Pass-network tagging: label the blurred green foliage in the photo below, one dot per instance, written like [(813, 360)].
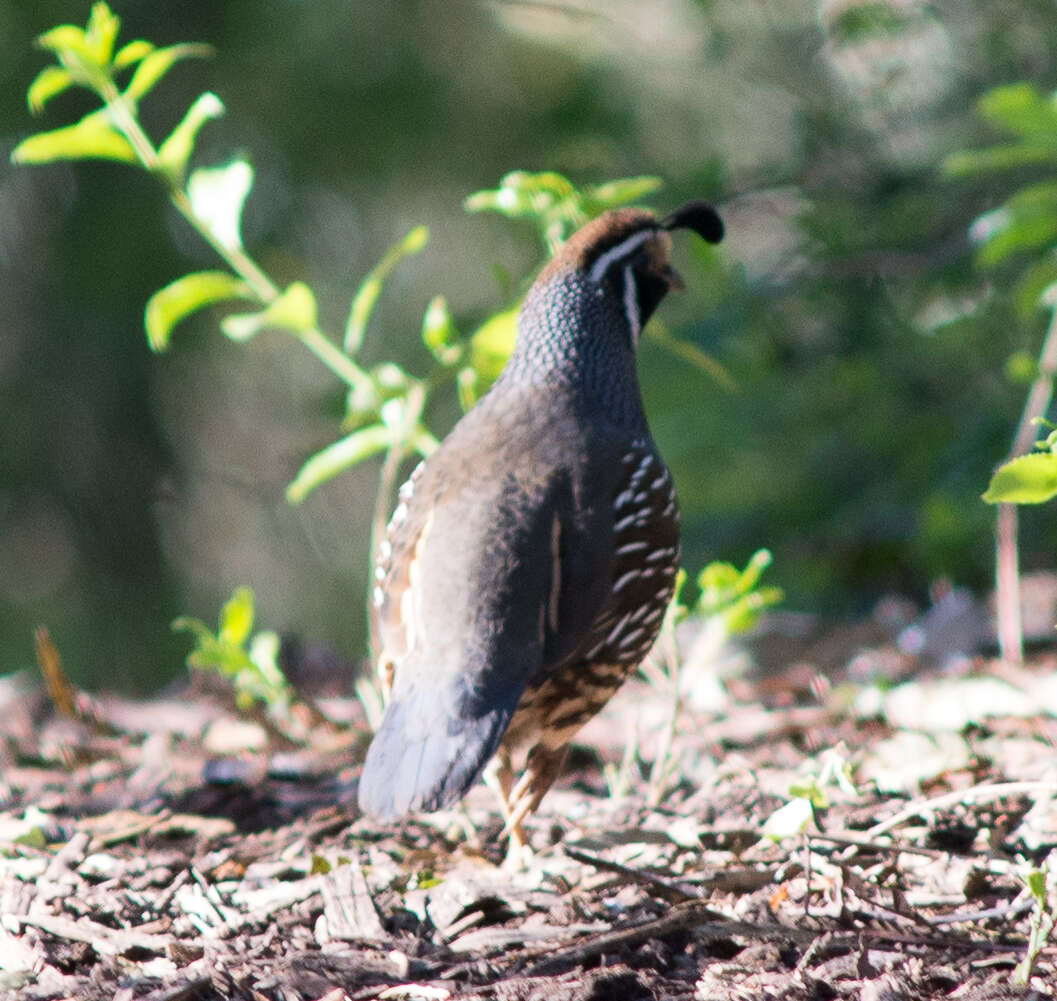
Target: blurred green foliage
[(868, 349), (735, 595)]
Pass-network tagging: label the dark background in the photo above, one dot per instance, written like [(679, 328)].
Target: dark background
[(869, 353)]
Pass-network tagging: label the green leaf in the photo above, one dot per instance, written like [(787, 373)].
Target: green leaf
[(548, 182), (718, 581), (1023, 232), (186, 624), (1021, 368), (553, 201), (228, 660), (131, 53), (750, 576), (103, 26), (735, 595), (1035, 881), (789, 821), (176, 150), (556, 205), (179, 299), (236, 618), (30, 830), (295, 309), (623, 191), (745, 612), (491, 344), (425, 880), (1021, 109), (217, 195), (336, 458), (1034, 197), (969, 163), (521, 193), (157, 63), (506, 201), (264, 652), (391, 378), (50, 81), (367, 294), (1028, 479), (92, 138), (1032, 290), (393, 413), (812, 791), (439, 333), (65, 37), (241, 327), (861, 22)]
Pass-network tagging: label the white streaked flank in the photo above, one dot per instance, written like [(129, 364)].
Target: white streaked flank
[(556, 573)]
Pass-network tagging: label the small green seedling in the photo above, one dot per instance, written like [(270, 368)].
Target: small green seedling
[(730, 601), (1027, 479), (250, 662), (1042, 920), (808, 795)]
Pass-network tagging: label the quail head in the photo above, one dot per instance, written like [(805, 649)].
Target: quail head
[(527, 566)]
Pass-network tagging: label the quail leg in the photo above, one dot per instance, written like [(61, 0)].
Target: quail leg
[(499, 777), (542, 768)]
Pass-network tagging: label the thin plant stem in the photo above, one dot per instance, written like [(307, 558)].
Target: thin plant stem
[(1007, 586), (661, 761), (1007, 569)]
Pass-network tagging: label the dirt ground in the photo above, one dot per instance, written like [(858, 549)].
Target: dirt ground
[(172, 849)]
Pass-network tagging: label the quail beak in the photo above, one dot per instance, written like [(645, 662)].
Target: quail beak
[(674, 279)]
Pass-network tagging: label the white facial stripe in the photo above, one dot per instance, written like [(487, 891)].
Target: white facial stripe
[(605, 262)]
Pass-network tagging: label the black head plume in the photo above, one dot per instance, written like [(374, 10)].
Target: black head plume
[(699, 216)]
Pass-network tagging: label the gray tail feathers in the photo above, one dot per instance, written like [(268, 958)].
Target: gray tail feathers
[(424, 759)]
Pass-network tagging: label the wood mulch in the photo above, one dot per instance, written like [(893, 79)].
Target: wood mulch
[(171, 849)]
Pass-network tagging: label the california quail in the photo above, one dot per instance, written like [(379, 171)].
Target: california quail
[(530, 559)]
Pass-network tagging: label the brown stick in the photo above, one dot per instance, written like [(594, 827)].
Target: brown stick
[(667, 888), (60, 690)]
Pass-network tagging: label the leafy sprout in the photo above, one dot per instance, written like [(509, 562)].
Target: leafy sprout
[(1027, 479), (250, 661), (729, 601), (554, 204), (1039, 886)]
